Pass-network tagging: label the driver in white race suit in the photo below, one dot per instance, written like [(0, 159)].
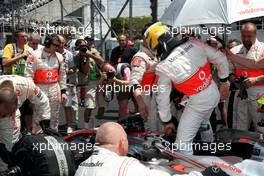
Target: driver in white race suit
[(185, 65)]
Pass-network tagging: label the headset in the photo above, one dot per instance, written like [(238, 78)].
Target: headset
[(49, 38)]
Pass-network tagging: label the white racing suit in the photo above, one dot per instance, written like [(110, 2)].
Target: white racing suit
[(188, 69), (48, 72), (10, 126), (143, 73), (245, 111), (104, 162)]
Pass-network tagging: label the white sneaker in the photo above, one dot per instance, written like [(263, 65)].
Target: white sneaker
[(69, 130)]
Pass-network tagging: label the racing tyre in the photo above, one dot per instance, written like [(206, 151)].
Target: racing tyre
[(43, 155)]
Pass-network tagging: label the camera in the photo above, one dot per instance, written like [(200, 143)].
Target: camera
[(240, 79), (110, 75), (83, 48), (25, 58)]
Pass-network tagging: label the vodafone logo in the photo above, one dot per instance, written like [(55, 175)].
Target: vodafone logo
[(136, 62), (36, 90), (247, 2), (202, 75), (244, 74), (206, 82), (49, 74)]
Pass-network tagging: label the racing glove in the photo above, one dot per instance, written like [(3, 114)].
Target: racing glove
[(235, 82), (243, 93), (44, 124), (243, 89), (238, 83), (170, 126)]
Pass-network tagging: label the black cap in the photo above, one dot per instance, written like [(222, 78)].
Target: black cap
[(89, 39)]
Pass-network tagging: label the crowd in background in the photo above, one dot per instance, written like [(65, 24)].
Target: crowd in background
[(82, 63), (187, 84), (86, 73)]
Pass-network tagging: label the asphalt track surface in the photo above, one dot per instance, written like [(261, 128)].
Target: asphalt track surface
[(111, 114)]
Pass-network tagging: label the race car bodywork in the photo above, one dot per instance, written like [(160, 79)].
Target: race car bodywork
[(155, 151), (158, 152)]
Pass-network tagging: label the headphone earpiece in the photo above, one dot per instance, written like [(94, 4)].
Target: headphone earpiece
[(49, 38), (47, 41)]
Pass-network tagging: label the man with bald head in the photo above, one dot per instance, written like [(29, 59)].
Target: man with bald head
[(110, 157), (117, 143), (248, 61)]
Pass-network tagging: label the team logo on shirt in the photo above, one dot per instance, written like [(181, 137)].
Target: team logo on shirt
[(136, 62), (92, 164), (18, 93), (36, 90), (247, 2), (202, 75), (38, 93), (244, 74), (49, 74), (30, 59)]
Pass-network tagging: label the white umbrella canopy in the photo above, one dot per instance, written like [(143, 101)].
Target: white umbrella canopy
[(194, 12)]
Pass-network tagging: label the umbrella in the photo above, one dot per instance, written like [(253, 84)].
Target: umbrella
[(194, 12)]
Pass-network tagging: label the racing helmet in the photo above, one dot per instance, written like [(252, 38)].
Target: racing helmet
[(153, 34)]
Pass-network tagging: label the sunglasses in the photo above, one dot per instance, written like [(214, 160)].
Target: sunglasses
[(56, 45), (23, 36)]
